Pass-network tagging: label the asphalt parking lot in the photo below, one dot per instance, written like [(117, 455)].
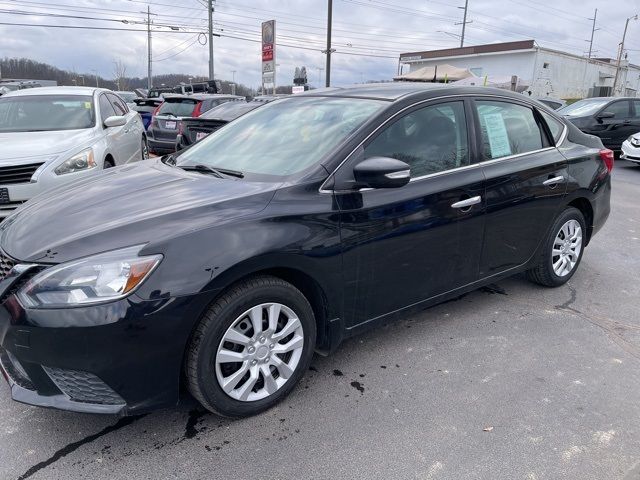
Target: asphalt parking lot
[(514, 381)]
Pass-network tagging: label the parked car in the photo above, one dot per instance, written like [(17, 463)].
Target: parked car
[(145, 107), (611, 119), (299, 224), (54, 135), (164, 122), (128, 97), (159, 92), (192, 130), (631, 149)]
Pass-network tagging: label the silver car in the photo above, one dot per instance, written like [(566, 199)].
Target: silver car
[(54, 135)]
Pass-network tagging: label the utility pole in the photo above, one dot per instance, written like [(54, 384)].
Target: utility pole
[(210, 12), (149, 59), (233, 73), (329, 50), (624, 36), (593, 30), (464, 21)]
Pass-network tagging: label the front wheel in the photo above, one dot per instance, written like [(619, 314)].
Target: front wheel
[(561, 251), (251, 347), (144, 148)]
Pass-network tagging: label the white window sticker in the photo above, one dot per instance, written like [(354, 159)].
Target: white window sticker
[(497, 133)]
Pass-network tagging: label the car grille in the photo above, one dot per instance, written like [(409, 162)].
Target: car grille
[(83, 387), (6, 264), (18, 173)]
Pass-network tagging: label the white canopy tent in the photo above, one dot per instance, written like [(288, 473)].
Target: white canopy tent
[(435, 74)]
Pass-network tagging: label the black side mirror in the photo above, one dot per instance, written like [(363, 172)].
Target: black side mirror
[(605, 114), (382, 172)]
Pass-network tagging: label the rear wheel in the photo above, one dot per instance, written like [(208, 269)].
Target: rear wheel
[(562, 251), (251, 347)]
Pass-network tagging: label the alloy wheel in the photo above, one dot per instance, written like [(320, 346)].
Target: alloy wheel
[(566, 248), (259, 352)]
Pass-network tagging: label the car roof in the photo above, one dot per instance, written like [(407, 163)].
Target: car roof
[(393, 91), (57, 91)]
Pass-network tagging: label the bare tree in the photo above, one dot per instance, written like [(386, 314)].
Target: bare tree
[(120, 74)]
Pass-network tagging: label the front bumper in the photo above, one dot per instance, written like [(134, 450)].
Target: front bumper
[(123, 357), (630, 153)]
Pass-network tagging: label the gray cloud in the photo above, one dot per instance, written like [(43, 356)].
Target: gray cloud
[(377, 27)]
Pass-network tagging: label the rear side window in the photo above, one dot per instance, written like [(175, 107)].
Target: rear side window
[(507, 129), (636, 107), (178, 108), (432, 139), (555, 126)]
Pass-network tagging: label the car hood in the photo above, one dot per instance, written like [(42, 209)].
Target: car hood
[(24, 145), (137, 204)]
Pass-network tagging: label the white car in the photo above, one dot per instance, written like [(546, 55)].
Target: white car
[(53, 135), (631, 148)]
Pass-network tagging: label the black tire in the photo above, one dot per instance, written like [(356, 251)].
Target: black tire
[(543, 273), (201, 352), (108, 163)]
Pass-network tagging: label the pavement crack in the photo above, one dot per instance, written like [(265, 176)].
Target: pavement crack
[(567, 305), (72, 447)]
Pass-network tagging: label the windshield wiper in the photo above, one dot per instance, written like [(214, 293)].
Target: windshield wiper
[(218, 172)]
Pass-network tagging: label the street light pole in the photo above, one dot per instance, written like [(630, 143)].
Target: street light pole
[(210, 12), (329, 49), (149, 72), (624, 36)]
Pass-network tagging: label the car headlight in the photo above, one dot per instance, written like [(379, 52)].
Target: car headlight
[(634, 141), (99, 278), (80, 161)]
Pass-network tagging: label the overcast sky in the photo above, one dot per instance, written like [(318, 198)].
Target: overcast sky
[(380, 28)]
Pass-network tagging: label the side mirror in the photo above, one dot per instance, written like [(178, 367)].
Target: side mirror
[(605, 114), (115, 121), (382, 172)]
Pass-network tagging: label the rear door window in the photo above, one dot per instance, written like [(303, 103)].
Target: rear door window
[(182, 107), (507, 129)]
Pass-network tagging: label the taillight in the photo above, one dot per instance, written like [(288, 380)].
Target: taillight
[(607, 157), (155, 111), (197, 111)]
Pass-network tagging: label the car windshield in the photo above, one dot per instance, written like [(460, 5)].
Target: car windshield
[(38, 113), (179, 107), (282, 138), (583, 107)]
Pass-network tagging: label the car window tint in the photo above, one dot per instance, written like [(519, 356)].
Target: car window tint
[(430, 140), (619, 109), (507, 129), (636, 106), (118, 105), (555, 126), (106, 109)]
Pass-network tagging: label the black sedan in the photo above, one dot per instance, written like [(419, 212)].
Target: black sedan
[(302, 223), (192, 130), (611, 119)]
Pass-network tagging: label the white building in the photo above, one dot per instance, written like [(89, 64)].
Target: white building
[(547, 72)]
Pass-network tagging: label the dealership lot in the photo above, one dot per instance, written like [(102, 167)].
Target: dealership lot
[(513, 381)]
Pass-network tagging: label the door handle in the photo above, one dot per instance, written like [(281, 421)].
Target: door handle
[(467, 203), (553, 181)]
